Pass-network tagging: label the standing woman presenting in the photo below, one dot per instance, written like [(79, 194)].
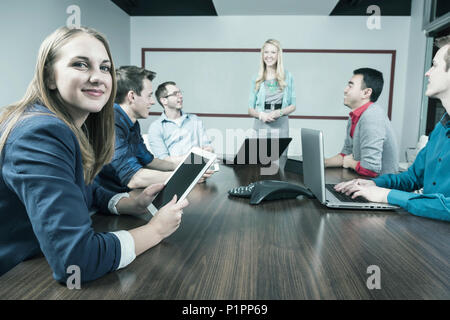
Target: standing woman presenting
[(272, 96)]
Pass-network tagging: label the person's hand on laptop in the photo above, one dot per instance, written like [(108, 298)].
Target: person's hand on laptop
[(372, 193), (347, 186), (364, 188)]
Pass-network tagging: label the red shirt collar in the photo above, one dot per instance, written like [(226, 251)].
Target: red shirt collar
[(359, 111), (356, 114)]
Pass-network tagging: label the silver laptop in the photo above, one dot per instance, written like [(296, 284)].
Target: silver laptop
[(314, 177)]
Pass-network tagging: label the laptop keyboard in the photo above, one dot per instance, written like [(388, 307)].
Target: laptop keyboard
[(342, 196)]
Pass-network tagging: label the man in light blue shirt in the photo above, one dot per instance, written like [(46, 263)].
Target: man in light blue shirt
[(174, 133), (431, 169)]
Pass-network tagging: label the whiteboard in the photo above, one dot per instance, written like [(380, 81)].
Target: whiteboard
[(220, 81)]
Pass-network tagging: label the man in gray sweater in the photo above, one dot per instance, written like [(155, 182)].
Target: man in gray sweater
[(370, 146)]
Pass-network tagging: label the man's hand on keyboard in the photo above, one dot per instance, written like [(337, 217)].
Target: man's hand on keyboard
[(348, 187), (372, 193), (364, 188)]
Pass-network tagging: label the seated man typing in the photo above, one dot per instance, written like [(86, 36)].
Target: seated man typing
[(370, 146), (431, 168)]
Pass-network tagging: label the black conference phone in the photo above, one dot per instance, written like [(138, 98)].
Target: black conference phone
[(269, 190)]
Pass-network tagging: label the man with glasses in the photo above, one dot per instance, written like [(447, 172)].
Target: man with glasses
[(175, 132)]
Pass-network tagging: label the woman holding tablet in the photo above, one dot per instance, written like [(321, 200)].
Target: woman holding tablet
[(53, 142), (272, 95)]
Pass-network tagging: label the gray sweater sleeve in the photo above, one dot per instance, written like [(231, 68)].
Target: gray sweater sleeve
[(348, 144), (372, 137)]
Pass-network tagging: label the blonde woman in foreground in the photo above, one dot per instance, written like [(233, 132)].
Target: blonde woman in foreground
[(53, 143)]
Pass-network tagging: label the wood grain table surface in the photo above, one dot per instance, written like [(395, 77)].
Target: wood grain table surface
[(290, 249)]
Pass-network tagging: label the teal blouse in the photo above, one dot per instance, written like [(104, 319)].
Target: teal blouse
[(258, 99)]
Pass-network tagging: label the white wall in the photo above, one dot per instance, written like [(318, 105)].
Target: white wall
[(415, 77), (295, 32), (25, 23)]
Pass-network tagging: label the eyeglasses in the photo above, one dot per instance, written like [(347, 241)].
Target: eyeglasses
[(175, 93)]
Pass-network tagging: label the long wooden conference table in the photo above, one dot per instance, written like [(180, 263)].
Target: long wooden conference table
[(228, 249)]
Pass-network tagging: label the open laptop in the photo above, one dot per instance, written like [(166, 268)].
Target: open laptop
[(258, 151), (314, 177)]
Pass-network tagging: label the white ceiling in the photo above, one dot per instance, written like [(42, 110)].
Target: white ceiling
[(274, 7)]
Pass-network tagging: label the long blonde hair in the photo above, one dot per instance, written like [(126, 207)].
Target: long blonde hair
[(96, 136), (280, 75)]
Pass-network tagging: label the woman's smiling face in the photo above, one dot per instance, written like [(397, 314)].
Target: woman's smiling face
[(82, 76), (270, 55)]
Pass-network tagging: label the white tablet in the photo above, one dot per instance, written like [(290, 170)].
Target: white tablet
[(184, 178), (215, 166)]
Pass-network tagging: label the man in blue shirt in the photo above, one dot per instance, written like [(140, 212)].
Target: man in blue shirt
[(133, 166), (431, 169), (173, 134)]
